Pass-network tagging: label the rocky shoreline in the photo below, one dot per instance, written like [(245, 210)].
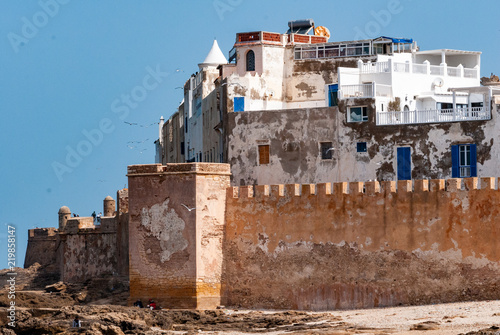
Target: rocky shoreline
[(100, 304)]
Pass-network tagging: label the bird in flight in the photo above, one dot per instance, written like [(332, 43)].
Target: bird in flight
[(189, 209)]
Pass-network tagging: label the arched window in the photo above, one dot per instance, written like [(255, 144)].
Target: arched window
[(250, 61)]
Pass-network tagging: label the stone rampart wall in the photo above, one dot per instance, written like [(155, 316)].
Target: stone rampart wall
[(352, 245)]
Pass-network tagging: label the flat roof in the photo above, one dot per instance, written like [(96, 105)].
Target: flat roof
[(447, 52)]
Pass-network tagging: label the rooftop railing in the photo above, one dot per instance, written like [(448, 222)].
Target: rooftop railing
[(433, 116), (424, 68)]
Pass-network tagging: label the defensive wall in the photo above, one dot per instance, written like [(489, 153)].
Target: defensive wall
[(359, 245), (197, 243), (79, 249)]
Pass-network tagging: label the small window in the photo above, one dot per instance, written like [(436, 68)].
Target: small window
[(333, 95), (357, 114), (250, 61), (326, 150), (263, 154), (239, 104), (361, 147), (464, 161)]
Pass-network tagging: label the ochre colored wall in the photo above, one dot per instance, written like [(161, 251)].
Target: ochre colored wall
[(175, 233), (361, 245)]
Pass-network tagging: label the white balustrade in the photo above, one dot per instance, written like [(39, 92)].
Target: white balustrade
[(433, 116), (453, 71)]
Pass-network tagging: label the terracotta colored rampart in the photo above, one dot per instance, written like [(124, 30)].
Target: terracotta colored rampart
[(352, 245)]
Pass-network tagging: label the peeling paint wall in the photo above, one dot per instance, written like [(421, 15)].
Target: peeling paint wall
[(294, 138), (88, 255), (362, 245), (175, 233)]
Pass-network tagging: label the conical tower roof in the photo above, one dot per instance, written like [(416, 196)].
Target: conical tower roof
[(215, 57)]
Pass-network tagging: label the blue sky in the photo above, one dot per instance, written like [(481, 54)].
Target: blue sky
[(67, 68)]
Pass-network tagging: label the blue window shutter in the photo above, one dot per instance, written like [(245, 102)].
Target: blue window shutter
[(455, 162), (473, 160), (333, 94), (239, 104), (404, 163)]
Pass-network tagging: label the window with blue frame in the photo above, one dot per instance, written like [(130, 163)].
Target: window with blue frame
[(239, 104), (463, 161), (404, 163), (333, 95)]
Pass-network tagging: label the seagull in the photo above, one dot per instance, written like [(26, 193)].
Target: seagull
[(189, 209), (330, 149)]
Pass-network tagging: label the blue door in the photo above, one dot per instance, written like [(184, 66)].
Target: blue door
[(404, 163), (333, 95), (239, 104)]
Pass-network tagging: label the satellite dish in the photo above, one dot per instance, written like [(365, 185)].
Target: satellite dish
[(322, 31), (438, 82)]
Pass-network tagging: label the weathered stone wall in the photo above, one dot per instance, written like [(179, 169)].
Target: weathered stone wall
[(83, 250), (88, 254), (175, 233), (41, 247), (294, 138), (359, 245)]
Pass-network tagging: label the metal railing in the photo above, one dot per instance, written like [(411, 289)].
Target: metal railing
[(433, 116)]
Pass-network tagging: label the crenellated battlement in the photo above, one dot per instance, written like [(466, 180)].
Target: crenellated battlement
[(369, 188)]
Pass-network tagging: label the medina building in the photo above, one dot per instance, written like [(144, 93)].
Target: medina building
[(297, 108)]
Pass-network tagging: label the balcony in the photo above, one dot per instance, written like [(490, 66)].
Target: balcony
[(424, 68), (364, 91), (433, 116)]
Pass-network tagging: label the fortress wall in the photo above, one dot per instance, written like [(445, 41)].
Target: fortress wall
[(360, 245), (122, 233), (41, 247), (88, 254)]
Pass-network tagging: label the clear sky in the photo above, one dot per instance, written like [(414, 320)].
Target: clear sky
[(68, 69)]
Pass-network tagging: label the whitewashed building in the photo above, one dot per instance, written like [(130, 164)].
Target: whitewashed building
[(296, 108)]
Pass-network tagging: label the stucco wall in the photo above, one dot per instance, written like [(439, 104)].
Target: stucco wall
[(361, 245), (294, 138), (175, 233)]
